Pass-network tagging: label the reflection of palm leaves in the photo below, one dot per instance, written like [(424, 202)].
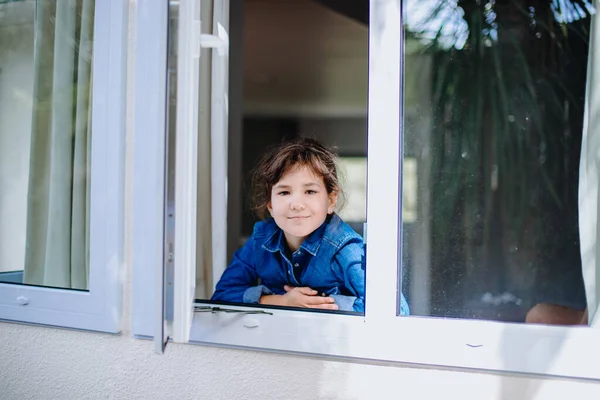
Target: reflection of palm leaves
[(492, 109)]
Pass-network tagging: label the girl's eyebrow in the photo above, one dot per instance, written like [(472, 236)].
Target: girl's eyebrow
[(283, 186)]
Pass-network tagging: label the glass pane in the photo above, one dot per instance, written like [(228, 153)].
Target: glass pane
[(354, 177), (494, 96), (354, 171), (304, 75), (45, 138)]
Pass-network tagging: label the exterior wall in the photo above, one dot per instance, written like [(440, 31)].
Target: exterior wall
[(46, 363)]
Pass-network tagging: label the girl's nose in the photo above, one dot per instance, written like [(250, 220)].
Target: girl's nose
[(296, 204)]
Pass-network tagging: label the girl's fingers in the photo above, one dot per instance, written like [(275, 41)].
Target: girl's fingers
[(317, 300), (307, 291), (325, 306)]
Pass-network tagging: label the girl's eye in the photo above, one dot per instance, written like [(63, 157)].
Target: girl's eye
[(284, 193), (311, 191)]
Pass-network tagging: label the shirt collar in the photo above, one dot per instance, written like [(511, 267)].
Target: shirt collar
[(276, 242)]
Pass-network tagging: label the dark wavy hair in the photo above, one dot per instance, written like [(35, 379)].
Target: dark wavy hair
[(287, 156)]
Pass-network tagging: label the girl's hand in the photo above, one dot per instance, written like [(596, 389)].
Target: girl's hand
[(307, 297), (300, 297)]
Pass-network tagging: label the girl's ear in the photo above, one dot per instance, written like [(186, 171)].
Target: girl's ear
[(270, 208), (333, 196)]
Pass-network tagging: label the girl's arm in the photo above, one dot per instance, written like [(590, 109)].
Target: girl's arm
[(349, 261), (239, 282)]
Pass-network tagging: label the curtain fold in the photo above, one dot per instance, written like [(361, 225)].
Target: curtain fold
[(57, 240), (588, 177)]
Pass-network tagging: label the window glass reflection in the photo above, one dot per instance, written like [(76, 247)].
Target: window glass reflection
[(494, 95), (45, 141)]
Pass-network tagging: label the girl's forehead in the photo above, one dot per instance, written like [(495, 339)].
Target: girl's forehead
[(303, 173)]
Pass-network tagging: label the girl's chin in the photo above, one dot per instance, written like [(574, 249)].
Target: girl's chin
[(300, 234)]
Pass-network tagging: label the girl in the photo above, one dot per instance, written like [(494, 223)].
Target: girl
[(304, 255)]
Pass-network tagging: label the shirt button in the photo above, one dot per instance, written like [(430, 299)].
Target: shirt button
[(299, 252), (296, 265)]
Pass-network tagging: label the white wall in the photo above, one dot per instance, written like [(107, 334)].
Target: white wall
[(46, 363), (303, 59), (16, 88), (349, 135)]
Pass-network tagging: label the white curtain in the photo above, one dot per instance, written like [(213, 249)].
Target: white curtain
[(57, 242), (588, 177)]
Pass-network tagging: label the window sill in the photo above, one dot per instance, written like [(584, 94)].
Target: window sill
[(463, 344)]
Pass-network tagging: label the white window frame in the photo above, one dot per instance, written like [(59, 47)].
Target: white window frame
[(381, 335), (99, 308), (149, 146)]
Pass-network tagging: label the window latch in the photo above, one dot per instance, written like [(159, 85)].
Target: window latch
[(229, 310)]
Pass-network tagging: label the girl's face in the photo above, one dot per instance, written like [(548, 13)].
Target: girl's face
[(299, 204)]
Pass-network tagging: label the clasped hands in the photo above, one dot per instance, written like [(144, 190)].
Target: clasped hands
[(300, 297)]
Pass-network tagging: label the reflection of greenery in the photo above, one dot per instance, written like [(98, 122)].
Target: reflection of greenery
[(503, 114)]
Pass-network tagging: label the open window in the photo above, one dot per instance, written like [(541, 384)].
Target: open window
[(235, 126), (421, 134)]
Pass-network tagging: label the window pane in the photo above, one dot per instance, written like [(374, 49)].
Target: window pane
[(494, 95), (45, 138)]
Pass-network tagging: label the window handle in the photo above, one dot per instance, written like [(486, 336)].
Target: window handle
[(229, 310), (211, 41), (218, 41)]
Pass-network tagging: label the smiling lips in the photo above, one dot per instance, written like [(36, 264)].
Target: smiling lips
[(298, 217)]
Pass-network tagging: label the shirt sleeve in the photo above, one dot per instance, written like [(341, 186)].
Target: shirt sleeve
[(350, 262), (404, 309), (348, 303), (239, 282), (253, 294)]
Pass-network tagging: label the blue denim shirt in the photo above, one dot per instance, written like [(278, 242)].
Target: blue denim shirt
[(330, 260)]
